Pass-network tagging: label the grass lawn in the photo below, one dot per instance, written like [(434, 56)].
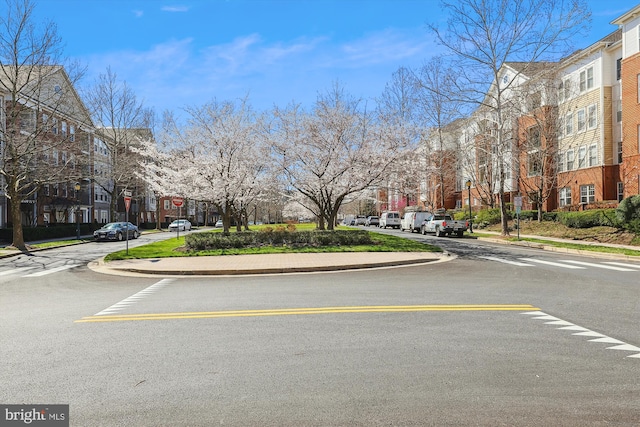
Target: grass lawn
[(174, 247)]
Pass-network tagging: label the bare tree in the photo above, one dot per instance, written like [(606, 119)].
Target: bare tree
[(440, 108), (483, 35), (398, 108), (38, 92), (122, 122)]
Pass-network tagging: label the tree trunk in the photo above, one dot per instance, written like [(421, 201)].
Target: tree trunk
[(16, 219)]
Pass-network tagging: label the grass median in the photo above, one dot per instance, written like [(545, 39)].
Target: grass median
[(175, 247)]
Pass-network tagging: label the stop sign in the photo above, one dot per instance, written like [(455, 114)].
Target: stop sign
[(177, 202)]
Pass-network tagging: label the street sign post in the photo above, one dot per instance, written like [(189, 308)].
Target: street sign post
[(178, 202), (517, 202), (127, 205)]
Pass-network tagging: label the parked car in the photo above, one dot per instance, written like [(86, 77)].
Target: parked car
[(361, 220), (443, 224), (180, 224), (219, 224), (117, 231), (372, 220), (390, 219)]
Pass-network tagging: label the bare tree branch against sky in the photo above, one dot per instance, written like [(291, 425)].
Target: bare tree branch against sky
[(175, 53)]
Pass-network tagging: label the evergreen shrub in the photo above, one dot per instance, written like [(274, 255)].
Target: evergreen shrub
[(588, 219), (628, 214), (276, 237)]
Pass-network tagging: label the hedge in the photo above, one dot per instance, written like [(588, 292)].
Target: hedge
[(277, 237)]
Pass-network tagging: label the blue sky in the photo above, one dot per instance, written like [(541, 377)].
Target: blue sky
[(175, 53)]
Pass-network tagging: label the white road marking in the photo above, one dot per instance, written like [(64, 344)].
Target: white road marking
[(51, 271), (555, 264), (520, 264), (590, 264), (622, 264), (134, 298), (598, 337)]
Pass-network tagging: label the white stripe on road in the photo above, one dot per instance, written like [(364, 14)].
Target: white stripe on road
[(555, 264), (590, 264), (621, 264), (134, 298), (597, 337), (521, 264), (51, 271)]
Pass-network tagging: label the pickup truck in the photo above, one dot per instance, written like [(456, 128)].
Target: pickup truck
[(443, 225)]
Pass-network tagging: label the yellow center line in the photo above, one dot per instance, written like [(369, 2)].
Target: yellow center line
[(298, 311)]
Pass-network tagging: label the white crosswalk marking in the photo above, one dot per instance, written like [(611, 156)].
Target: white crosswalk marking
[(567, 263), (590, 264), (506, 261), (15, 271), (555, 264), (134, 298), (52, 270), (622, 264)]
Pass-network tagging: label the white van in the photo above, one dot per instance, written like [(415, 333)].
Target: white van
[(413, 221), (389, 219)]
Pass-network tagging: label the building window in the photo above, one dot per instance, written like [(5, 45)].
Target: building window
[(535, 165), (166, 205), (593, 155), (570, 160), (561, 91), (567, 89), (54, 127), (560, 161), (582, 157), (618, 104), (589, 78), (533, 138), (619, 151), (27, 121), (592, 116), (72, 133), (587, 193), (583, 81), (568, 124), (582, 121), (620, 191), (565, 196), (618, 68), (64, 128)]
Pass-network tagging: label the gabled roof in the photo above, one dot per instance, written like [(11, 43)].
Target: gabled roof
[(48, 87)]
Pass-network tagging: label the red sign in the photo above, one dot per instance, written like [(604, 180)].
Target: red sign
[(127, 203), (177, 202)]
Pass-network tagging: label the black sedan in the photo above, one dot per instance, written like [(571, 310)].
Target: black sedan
[(117, 231)]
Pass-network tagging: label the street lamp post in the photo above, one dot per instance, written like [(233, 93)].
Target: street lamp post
[(77, 210), (468, 183)]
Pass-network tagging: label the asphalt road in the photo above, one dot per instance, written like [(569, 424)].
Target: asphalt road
[(496, 336)]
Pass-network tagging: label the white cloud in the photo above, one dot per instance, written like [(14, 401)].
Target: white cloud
[(138, 13), (176, 73), (174, 9)]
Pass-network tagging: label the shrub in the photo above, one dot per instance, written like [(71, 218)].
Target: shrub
[(628, 213), (588, 219), (488, 217), (276, 237)]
